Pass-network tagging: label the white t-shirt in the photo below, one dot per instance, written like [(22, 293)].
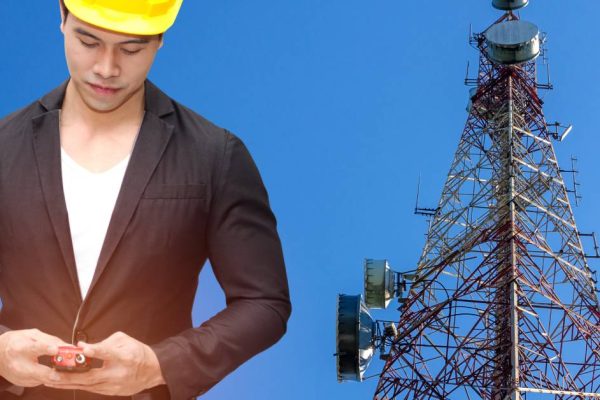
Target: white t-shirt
[(90, 199)]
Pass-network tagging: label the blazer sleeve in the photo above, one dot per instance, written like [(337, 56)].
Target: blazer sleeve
[(245, 252)]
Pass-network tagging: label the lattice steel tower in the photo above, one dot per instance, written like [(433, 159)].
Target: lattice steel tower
[(502, 303)]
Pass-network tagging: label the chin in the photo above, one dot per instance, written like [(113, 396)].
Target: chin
[(102, 107)]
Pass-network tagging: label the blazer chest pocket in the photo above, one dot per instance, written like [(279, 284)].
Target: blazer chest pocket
[(169, 191)]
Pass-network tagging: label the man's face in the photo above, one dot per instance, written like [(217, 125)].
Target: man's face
[(107, 68)]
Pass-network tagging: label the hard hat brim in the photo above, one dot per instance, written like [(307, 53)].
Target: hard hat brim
[(123, 22)]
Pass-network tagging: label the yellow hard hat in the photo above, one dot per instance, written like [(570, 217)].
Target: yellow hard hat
[(137, 17)]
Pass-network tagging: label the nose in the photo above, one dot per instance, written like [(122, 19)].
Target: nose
[(107, 65)]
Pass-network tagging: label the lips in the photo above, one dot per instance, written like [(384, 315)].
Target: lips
[(103, 90)]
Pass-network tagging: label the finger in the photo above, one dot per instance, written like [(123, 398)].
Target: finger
[(89, 378), (40, 373), (40, 336), (100, 389), (43, 343), (85, 381), (38, 348), (97, 350)]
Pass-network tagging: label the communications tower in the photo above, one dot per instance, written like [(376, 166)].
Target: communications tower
[(502, 303)]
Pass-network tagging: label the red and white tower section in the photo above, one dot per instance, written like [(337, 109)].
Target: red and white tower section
[(502, 303)]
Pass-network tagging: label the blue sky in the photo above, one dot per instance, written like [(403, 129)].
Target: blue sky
[(342, 104)]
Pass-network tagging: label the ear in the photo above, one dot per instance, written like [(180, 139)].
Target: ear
[(62, 17)]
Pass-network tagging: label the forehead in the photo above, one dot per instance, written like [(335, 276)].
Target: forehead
[(75, 25)]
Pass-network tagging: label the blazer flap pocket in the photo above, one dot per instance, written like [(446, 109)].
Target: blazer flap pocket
[(169, 191)]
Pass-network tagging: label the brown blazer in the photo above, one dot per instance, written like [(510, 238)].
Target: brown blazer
[(191, 192)]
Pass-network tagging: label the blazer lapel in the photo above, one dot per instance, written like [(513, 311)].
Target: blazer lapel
[(46, 144), (150, 144)]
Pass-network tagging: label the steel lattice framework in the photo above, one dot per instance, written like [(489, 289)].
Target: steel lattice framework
[(504, 306)]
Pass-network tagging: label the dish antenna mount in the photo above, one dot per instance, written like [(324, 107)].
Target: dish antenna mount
[(382, 284), (358, 336)]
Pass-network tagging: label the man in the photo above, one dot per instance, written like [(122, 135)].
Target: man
[(112, 196)]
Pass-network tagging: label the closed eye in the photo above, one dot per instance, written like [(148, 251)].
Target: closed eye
[(88, 45), (130, 52)]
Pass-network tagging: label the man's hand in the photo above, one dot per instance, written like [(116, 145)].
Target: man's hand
[(129, 367), (19, 351)]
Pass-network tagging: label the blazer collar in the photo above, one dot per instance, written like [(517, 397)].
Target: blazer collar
[(156, 102)]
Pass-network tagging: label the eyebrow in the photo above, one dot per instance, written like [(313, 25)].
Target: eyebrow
[(131, 41)]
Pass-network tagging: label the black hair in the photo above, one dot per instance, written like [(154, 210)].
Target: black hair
[(64, 9)]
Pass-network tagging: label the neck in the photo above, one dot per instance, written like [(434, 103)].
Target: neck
[(75, 110)]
